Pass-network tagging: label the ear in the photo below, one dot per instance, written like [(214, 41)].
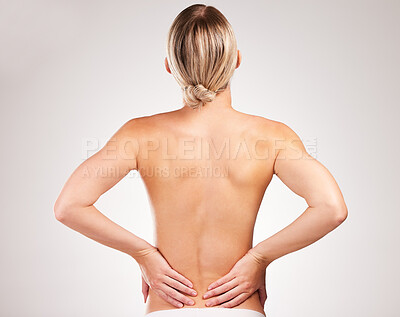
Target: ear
[(239, 59), (167, 66)]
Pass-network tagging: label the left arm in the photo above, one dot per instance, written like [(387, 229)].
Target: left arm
[(75, 208), (75, 205)]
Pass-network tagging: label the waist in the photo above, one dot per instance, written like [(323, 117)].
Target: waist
[(206, 312), (156, 303), (203, 261)]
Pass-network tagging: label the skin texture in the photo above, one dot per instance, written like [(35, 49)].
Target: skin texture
[(205, 173)]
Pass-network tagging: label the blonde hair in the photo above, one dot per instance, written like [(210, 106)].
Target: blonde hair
[(201, 53)]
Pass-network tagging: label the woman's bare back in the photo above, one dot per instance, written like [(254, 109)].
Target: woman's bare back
[(206, 174)]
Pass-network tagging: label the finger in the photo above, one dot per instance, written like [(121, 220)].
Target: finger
[(168, 298), (176, 295), (263, 296), (145, 289), (221, 289), (263, 290), (221, 281), (179, 286), (236, 301), (145, 295), (224, 297), (174, 274)]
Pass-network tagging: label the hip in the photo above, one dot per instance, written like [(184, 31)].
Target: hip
[(157, 304), (206, 312)]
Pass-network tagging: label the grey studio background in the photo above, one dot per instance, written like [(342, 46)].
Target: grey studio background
[(72, 72)]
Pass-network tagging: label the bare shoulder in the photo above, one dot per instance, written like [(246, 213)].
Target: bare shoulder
[(290, 140), (264, 127), (283, 135), (142, 126), (281, 139)]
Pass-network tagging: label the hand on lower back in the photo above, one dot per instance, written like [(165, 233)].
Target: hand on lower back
[(244, 279), (158, 275)]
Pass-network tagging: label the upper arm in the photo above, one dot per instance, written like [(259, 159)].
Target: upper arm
[(303, 174), (103, 170)]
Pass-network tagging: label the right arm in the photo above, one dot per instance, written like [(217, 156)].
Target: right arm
[(309, 179), (326, 210)]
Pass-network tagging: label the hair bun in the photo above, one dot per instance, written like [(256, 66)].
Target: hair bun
[(196, 96)]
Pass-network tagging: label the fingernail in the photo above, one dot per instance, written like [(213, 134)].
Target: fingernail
[(191, 302), (180, 305), (205, 296), (208, 304), (209, 287), (194, 293)]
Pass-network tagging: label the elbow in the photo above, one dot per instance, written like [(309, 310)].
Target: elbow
[(338, 211), (67, 209), (61, 210), (334, 210), (341, 214)]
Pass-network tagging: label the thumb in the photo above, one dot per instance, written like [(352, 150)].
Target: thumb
[(262, 292), (145, 289)]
